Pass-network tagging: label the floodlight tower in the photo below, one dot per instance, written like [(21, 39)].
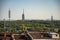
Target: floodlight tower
[(23, 17), (9, 14)]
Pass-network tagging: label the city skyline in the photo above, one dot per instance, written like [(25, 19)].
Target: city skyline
[(33, 9)]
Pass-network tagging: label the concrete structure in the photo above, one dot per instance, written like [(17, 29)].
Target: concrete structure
[(9, 14), (51, 18), (53, 35)]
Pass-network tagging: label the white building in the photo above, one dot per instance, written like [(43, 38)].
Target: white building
[(53, 35)]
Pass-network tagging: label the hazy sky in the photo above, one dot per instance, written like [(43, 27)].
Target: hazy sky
[(33, 9)]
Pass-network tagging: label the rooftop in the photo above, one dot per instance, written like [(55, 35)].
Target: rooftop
[(52, 33), (18, 37), (9, 36), (38, 35)]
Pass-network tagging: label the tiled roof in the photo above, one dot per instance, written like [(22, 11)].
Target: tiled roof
[(38, 35), (18, 37), (35, 35), (9, 36), (2, 34)]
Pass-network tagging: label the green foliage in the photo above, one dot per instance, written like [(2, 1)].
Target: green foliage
[(38, 25), (1, 29), (59, 30), (13, 30)]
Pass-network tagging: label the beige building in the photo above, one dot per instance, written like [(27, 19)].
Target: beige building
[(54, 35)]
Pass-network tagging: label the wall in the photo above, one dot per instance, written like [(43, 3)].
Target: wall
[(45, 39), (55, 36)]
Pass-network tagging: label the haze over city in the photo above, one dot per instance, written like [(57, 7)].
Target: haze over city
[(29, 19), (33, 9)]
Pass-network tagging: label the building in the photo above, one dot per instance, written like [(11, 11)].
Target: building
[(28, 36), (12, 36), (38, 35), (5, 36), (18, 37), (53, 35), (51, 18), (42, 36)]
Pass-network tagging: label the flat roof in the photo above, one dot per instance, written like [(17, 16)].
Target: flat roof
[(52, 33)]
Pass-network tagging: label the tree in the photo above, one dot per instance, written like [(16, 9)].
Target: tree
[(13, 30)]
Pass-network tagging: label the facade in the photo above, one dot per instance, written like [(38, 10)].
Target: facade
[(54, 35)]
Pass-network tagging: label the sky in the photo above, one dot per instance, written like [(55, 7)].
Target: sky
[(33, 9)]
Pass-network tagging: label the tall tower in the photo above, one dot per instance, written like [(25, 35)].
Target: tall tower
[(51, 18), (9, 14), (23, 15)]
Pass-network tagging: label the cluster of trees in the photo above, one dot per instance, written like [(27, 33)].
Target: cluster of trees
[(30, 25)]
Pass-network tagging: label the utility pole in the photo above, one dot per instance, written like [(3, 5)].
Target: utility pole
[(4, 30)]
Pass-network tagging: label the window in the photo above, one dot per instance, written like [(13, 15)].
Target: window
[(56, 35)]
